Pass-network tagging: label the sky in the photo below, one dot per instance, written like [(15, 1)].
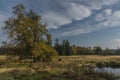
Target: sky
[(82, 22)]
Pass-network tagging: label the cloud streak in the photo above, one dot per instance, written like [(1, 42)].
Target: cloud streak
[(72, 11), (105, 19), (54, 20), (75, 10)]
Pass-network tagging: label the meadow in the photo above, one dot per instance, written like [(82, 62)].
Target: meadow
[(61, 68)]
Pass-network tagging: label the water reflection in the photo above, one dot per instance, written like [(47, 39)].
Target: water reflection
[(115, 71)]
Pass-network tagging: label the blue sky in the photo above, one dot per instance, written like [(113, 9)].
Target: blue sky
[(82, 22)]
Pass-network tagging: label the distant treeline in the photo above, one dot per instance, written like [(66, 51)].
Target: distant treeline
[(66, 49)]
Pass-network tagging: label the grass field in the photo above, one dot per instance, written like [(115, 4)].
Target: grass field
[(61, 68), (61, 62)]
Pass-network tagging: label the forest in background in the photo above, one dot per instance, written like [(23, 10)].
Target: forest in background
[(65, 48)]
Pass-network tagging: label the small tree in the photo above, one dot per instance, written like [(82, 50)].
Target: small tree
[(58, 47), (63, 48), (28, 34)]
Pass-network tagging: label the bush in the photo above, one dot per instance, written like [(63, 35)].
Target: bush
[(43, 52)]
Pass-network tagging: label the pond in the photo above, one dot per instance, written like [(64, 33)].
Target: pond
[(114, 71)]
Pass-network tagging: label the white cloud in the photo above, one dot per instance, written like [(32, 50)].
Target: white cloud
[(109, 2), (55, 20), (77, 11), (72, 12), (98, 4), (112, 20), (77, 32), (108, 12), (117, 40), (93, 4), (74, 32), (99, 17), (103, 15), (107, 19), (2, 18)]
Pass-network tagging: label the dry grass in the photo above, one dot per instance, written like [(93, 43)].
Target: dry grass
[(10, 69), (3, 57), (90, 57), (60, 63)]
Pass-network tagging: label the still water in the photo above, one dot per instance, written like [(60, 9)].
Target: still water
[(115, 71)]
